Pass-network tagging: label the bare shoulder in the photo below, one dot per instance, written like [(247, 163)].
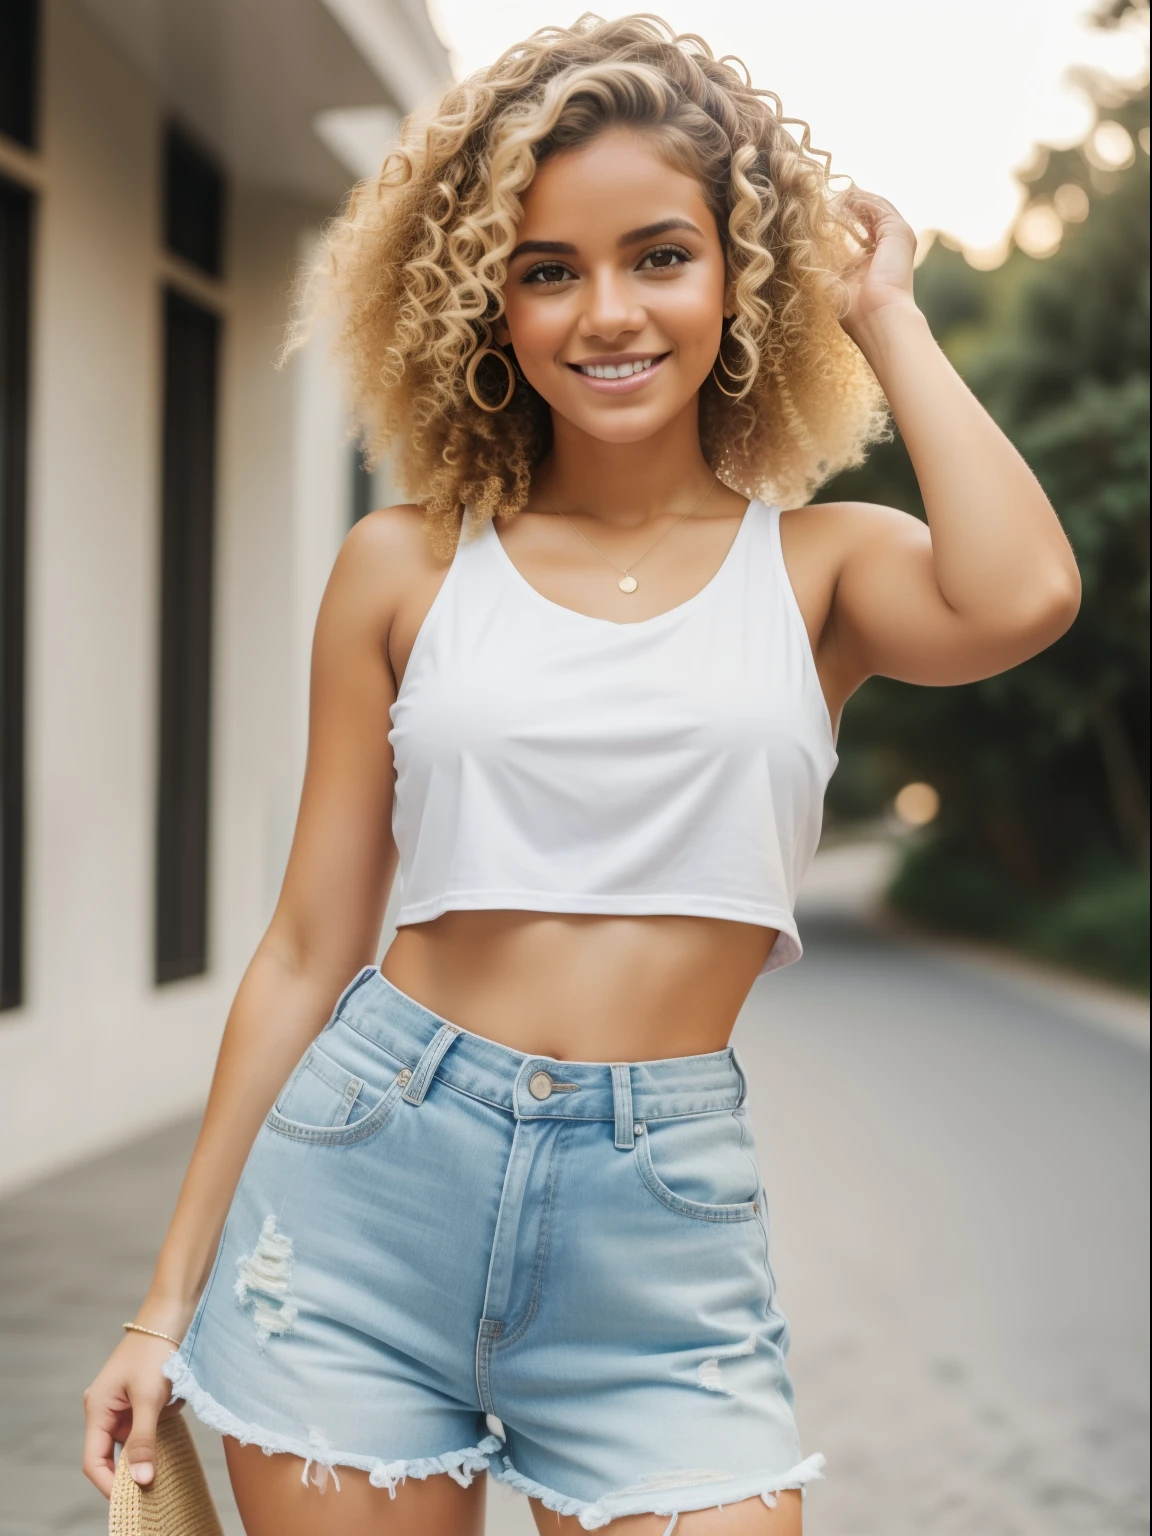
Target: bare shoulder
[(821, 540), (844, 528), (390, 545), (384, 556)]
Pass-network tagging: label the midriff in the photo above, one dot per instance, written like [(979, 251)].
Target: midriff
[(579, 987)]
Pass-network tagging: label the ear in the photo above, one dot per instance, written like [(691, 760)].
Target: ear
[(729, 303), (500, 332)]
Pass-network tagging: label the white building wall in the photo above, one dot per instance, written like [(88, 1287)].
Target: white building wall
[(98, 1053)]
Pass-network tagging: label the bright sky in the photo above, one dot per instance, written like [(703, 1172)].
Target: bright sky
[(930, 103)]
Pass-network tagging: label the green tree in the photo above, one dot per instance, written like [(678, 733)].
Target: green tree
[(1043, 771)]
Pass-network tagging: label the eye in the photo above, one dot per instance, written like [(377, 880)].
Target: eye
[(546, 273), (664, 258)]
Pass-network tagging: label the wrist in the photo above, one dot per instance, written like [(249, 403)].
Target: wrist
[(165, 1313), (876, 331)]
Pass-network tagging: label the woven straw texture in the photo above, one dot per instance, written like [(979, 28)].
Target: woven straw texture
[(177, 1503)]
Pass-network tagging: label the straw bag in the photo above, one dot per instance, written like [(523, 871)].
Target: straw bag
[(177, 1503)]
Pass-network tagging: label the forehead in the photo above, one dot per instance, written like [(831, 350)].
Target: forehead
[(617, 181)]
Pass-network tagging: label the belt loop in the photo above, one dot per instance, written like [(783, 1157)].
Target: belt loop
[(425, 1071), (622, 1104), (741, 1074)]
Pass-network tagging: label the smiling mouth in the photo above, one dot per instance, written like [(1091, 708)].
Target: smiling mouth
[(625, 369)]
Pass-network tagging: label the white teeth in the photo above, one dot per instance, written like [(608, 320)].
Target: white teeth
[(617, 371)]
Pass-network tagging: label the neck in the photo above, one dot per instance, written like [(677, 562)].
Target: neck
[(625, 484)]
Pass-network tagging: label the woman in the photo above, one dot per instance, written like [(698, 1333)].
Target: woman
[(502, 1210)]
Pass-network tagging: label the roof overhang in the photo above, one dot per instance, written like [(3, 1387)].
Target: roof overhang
[(287, 92)]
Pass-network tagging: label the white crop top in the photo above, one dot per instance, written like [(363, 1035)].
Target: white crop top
[(547, 761)]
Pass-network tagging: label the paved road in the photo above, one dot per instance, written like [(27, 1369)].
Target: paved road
[(957, 1170)]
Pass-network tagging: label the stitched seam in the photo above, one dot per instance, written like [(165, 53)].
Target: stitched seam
[(490, 1330), (742, 1123), (696, 1209), (374, 1043), (507, 1109), (542, 1246), (330, 1072), (338, 1135), (762, 1217), (419, 1085), (188, 1344)]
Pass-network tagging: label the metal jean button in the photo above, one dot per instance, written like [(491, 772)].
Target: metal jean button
[(540, 1085)]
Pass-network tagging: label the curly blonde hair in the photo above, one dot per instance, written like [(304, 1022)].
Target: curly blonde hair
[(417, 263)]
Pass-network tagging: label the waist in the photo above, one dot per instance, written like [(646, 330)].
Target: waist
[(571, 986), (534, 1085)]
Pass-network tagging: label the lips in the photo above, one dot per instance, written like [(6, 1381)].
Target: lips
[(622, 370), (619, 376)]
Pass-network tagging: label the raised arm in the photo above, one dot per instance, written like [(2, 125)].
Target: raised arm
[(992, 579), (326, 925)]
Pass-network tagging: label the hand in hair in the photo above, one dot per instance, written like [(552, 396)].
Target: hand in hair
[(882, 273)]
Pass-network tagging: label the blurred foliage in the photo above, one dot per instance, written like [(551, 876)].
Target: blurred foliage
[(1042, 838)]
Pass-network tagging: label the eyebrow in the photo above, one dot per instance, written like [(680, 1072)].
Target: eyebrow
[(632, 237)]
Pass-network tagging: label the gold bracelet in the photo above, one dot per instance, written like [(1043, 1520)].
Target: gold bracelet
[(151, 1332)]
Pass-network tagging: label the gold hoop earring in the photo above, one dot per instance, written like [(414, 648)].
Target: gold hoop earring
[(733, 394), (470, 379)]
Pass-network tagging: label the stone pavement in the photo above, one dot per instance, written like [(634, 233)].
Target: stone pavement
[(957, 1169), (76, 1254)]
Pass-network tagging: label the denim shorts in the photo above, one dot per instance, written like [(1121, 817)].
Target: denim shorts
[(446, 1256)]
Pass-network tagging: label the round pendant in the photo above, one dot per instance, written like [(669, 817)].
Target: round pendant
[(627, 583)]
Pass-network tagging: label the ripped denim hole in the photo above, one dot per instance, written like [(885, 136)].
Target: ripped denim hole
[(264, 1277), (709, 1374)]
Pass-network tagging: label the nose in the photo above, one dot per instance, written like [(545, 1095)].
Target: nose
[(610, 310)]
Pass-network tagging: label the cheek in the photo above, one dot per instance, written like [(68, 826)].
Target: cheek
[(536, 330), (692, 315)]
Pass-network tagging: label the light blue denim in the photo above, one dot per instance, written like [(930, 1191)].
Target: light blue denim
[(445, 1256)]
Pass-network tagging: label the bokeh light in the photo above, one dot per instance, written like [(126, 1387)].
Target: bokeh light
[(1071, 203), (917, 804), (1039, 230), (1109, 147)]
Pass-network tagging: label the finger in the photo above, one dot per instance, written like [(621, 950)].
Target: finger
[(98, 1463), (140, 1447), (871, 200), (869, 210)]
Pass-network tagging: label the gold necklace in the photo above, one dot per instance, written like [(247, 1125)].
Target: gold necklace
[(628, 582)]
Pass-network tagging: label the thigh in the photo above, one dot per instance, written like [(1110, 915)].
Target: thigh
[(752, 1517), (273, 1500)]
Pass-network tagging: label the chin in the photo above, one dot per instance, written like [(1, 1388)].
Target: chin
[(621, 431), (630, 422)]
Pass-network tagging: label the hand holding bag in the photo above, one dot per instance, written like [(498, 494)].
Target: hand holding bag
[(177, 1502)]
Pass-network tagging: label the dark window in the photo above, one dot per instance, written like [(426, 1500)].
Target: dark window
[(361, 486), (19, 38), (15, 253), (193, 203), (191, 348)]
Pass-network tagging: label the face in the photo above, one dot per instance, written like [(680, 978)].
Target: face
[(616, 289)]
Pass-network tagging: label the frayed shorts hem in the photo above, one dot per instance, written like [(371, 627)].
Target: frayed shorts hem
[(661, 1500), (320, 1460)]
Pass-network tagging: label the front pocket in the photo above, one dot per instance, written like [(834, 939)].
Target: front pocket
[(698, 1156), (324, 1102)]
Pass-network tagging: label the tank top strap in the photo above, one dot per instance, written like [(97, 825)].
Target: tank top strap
[(765, 527), (474, 534), (769, 549), (756, 568)]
